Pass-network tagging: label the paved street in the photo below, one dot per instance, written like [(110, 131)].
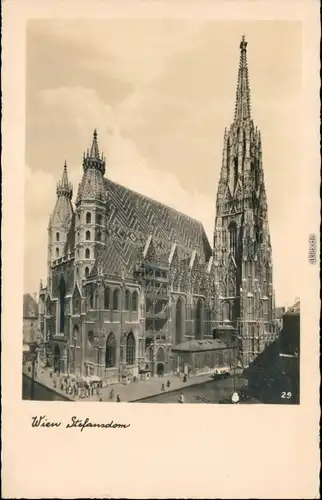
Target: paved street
[(135, 390), (210, 391)]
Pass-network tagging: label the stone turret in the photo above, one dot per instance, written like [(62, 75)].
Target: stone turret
[(60, 226), (90, 223)]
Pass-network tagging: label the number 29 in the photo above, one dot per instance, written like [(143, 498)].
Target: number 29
[(286, 395)]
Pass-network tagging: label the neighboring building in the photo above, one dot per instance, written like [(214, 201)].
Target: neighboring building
[(196, 355), (130, 279), (30, 318), (274, 377)]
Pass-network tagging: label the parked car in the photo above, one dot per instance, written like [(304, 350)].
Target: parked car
[(221, 374)]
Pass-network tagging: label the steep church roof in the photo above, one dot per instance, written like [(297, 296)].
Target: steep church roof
[(132, 218), (30, 306)]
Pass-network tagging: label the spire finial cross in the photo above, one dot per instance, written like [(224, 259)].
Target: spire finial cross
[(243, 43)]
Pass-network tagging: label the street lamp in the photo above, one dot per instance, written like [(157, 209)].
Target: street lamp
[(33, 349)]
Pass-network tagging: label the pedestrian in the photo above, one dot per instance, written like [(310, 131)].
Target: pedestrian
[(92, 391), (101, 397), (168, 384), (181, 400), (118, 399), (162, 388), (111, 394)]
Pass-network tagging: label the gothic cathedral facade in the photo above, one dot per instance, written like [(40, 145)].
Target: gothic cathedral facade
[(129, 278)]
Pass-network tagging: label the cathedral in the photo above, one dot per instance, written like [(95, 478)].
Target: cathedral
[(134, 286)]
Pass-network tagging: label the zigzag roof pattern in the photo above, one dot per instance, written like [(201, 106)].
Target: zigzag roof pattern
[(133, 218)]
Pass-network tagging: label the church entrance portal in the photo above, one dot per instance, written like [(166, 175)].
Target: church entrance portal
[(160, 369)]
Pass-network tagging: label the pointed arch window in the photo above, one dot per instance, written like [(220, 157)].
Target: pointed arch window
[(134, 302), (97, 299), (130, 349), (86, 271), (62, 293), (87, 253), (88, 218), (57, 252), (57, 236), (232, 228), (90, 337), (198, 320), (235, 172), (91, 298), (88, 235), (106, 298), (110, 360), (116, 299), (127, 300)]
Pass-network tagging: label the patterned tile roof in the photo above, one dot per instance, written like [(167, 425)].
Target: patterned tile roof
[(132, 218)]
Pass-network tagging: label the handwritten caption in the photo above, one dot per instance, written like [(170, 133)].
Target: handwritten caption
[(75, 422)]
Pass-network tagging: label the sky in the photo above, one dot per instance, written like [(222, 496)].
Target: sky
[(160, 93)]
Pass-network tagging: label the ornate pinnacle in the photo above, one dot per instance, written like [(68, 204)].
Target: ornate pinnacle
[(64, 188), (93, 159), (242, 107)]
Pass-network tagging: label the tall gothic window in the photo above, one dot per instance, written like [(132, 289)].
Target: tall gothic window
[(87, 253), (97, 300), (99, 236), (232, 228), (88, 218), (57, 252), (130, 349), (88, 235), (134, 302), (127, 300), (179, 321), (110, 359), (116, 299), (235, 172), (98, 219), (198, 321), (91, 299), (57, 236), (86, 271), (106, 298), (62, 293)]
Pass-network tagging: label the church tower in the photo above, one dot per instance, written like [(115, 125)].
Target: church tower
[(90, 224), (242, 246), (60, 227)]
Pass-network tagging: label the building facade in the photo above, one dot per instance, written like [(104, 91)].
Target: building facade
[(130, 278), (30, 319)]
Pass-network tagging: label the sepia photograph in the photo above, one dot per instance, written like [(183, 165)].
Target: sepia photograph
[(159, 249), (161, 213)]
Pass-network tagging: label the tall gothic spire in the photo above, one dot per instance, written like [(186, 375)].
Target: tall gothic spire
[(92, 158), (64, 188), (243, 108), (94, 149)]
